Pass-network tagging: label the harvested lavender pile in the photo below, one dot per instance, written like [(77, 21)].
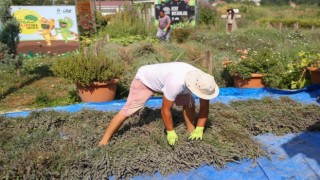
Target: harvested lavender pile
[(59, 145)]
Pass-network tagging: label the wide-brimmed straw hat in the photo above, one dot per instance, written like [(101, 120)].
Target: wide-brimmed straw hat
[(202, 84)]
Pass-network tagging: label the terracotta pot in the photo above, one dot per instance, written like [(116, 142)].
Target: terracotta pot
[(254, 82), (98, 92), (315, 75)]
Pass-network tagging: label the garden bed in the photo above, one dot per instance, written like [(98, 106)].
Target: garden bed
[(64, 145)]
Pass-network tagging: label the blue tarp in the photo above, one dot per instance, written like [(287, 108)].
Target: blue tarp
[(306, 95), (293, 156)]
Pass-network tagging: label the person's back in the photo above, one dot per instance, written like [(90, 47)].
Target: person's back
[(166, 78)]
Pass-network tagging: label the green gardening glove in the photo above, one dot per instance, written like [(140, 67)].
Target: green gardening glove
[(172, 137), (196, 134)]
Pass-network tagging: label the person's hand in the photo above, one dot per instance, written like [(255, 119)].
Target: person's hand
[(196, 134), (164, 30), (172, 137), (102, 143)]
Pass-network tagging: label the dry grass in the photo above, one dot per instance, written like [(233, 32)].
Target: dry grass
[(64, 146)]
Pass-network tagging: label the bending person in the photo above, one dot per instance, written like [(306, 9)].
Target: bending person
[(176, 81)]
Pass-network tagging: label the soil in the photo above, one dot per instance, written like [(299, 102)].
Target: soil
[(24, 98), (57, 47)]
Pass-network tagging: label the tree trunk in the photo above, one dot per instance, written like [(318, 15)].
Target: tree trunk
[(18, 72)]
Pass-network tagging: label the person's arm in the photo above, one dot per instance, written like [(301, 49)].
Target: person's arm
[(114, 125), (204, 112), (168, 22), (166, 115), (202, 119)]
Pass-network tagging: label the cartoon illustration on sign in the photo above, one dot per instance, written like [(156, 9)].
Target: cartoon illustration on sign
[(46, 27), (64, 29)]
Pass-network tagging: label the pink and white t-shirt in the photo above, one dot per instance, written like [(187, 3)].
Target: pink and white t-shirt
[(166, 78)]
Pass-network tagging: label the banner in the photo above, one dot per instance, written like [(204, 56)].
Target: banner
[(181, 12), (47, 29)]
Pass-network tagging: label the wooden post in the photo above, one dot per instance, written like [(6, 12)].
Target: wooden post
[(106, 38), (97, 48), (209, 61), (93, 14), (312, 28), (269, 25), (296, 26), (86, 51)]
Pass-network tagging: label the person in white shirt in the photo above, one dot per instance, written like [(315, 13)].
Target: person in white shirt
[(177, 81)]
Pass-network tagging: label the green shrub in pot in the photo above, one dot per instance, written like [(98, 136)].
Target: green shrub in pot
[(85, 68)]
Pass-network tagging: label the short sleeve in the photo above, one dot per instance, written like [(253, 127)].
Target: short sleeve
[(171, 90), (168, 19)]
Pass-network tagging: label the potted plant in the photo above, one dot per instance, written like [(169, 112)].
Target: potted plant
[(95, 74), (311, 60), (250, 67)]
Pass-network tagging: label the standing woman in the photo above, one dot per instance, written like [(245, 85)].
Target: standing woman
[(231, 21)]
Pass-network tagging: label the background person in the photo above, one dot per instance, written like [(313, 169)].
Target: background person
[(163, 33), (231, 21)]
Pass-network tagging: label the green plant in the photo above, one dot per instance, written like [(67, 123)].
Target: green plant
[(291, 21), (5, 57), (9, 33), (207, 14), (181, 34), (88, 67), (298, 68), (125, 41), (265, 62), (42, 99), (127, 23)]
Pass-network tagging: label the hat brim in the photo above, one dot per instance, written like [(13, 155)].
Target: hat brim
[(191, 79)]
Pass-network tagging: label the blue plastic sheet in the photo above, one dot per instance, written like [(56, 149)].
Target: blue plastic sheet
[(306, 95), (293, 156)]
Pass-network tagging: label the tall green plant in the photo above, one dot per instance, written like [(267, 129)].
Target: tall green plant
[(89, 67), (9, 33), (126, 23), (207, 14)]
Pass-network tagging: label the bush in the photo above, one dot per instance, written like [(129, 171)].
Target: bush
[(207, 14), (266, 62), (86, 68), (181, 34), (291, 21), (297, 68), (126, 23)]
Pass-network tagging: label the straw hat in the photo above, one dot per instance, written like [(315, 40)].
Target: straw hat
[(202, 84)]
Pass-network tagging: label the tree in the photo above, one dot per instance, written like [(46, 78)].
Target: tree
[(59, 2), (23, 2), (9, 33), (47, 2)]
